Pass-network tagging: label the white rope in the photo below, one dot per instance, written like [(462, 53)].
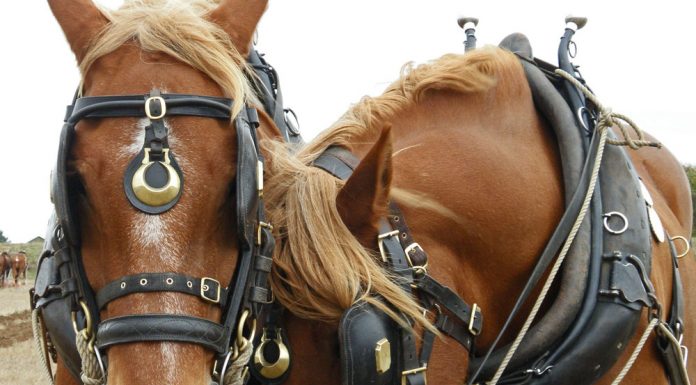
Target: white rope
[(91, 372), (636, 351), (39, 342), (237, 371)]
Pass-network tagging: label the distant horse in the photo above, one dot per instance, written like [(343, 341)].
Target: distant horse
[(460, 147), (19, 265), (5, 267)]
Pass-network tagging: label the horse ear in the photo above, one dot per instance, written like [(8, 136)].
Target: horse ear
[(363, 199), (239, 19), (80, 21)]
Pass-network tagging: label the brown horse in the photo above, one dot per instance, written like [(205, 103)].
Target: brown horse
[(5, 267), (19, 267), (475, 170), (193, 47)]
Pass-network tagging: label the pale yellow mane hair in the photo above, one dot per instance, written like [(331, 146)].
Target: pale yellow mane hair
[(320, 267), (180, 30)]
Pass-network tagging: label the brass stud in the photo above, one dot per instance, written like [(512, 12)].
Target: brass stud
[(382, 356)]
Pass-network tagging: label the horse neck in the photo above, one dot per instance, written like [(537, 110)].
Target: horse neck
[(491, 161)]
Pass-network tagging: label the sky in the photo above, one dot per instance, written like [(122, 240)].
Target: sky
[(636, 57)]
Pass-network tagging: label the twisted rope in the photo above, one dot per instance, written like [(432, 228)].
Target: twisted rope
[(636, 351), (37, 332), (91, 372), (237, 371), (607, 118)]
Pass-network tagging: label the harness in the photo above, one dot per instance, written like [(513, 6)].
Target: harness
[(68, 305)]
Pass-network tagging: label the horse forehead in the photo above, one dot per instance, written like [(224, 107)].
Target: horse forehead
[(130, 69)]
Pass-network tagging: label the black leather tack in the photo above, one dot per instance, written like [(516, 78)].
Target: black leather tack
[(204, 288), (161, 327), (264, 264)]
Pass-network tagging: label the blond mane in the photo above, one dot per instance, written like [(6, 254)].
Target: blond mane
[(320, 267), (179, 29)]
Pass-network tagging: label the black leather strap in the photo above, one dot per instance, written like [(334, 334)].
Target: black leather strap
[(134, 106), (205, 288), (451, 301), (161, 327), (337, 161)]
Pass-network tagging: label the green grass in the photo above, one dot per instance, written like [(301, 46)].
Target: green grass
[(33, 251)]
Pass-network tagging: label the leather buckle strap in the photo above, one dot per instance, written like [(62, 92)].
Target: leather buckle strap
[(406, 373), (210, 285), (380, 243), (159, 111), (206, 288)]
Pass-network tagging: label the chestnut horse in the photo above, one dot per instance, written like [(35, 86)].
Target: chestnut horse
[(193, 47), (5, 267), (19, 267), (460, 147)]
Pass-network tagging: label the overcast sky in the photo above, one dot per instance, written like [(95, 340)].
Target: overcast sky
[(638, 60)]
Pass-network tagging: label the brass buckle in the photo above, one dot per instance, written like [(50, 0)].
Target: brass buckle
[(380, 240), (413, 371), (408, 251), (472, 317), (258, 231), (148, 112), (205, 287)]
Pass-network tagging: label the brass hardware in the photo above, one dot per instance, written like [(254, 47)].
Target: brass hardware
[(272, 370), (259, 177), (472, 317), (382, 356), (205, 288), (686, 243), (156, 196), (408, 250), (258, 231), (88, 318), (413, 371), (241, 340), (87, 330), (380, 240), (148, 112)]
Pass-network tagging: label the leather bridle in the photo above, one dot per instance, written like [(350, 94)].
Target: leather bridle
[(248, 292)]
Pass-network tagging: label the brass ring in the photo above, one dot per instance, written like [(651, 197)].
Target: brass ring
[(686, 242), (241, 340), (88, 320)]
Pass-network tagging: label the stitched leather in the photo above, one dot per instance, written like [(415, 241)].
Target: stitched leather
[(161, 327)]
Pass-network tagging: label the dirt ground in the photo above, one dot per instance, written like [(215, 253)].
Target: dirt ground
[(20, 364)]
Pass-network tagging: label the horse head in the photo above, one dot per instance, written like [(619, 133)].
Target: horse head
[(153, 49)]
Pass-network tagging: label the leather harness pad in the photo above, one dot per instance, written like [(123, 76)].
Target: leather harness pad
[(589, 349), (360, 329)]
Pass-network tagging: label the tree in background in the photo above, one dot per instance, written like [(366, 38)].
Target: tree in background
[(3, 238), (691, 173)]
